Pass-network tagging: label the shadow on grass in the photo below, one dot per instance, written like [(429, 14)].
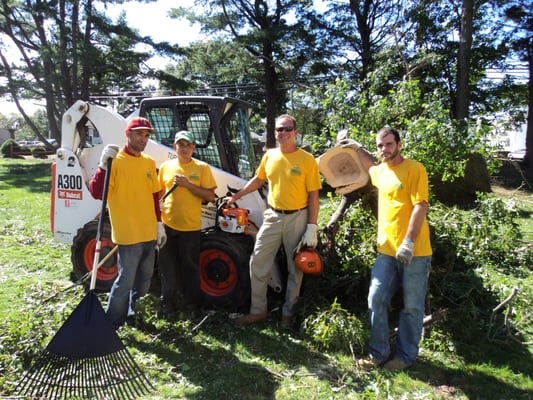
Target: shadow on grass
[(474, 382), (491, 362), (212, 373), (34, 176), (221, 362)]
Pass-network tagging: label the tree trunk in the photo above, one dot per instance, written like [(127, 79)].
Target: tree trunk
[(271, 97), (529, 129), (462, 95)]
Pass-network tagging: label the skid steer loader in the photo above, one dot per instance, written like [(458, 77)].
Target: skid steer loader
[(221, 129)]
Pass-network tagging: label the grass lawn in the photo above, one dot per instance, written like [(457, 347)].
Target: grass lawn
[(203, 355)]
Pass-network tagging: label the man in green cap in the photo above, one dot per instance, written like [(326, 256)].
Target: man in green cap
[(181, 215)]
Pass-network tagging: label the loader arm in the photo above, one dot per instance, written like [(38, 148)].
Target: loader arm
[(76, 161)]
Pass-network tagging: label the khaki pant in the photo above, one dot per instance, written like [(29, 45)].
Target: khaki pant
[(277, 229)]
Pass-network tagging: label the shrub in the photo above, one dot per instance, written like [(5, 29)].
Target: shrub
[(10, 149), (39, 152), (336, 329), (487, 235)]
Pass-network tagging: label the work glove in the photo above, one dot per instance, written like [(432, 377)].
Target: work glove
[(110, 151), (405, 251), (309, 238), (350, 143), (161, 234)]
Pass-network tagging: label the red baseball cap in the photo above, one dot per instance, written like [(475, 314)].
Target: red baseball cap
[(137, 123)]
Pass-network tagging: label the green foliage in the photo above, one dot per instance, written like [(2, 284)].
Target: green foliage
[(422, 119), (479, 257), (355, 238), (336, 329), (39, 152), (35, 316), (488, 235), (81, 53)]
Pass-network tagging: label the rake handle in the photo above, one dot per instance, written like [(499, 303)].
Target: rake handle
[(100, 225)]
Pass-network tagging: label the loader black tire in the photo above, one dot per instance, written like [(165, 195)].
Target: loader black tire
[(224, 269), (82, 256)]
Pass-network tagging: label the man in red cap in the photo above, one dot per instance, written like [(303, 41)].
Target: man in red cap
[(133, 202)]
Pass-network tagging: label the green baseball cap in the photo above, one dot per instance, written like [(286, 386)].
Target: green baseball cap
[(184, 135)]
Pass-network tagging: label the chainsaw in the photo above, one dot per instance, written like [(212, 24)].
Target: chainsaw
[(233, 220)]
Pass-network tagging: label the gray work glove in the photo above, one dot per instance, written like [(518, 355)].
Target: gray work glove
[(161, 235), (110, 151), (406, 251), (350, 143)]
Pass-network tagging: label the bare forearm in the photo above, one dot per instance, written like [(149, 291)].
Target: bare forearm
[(417, 219), (252, 185), (313, 204), (366, 158)]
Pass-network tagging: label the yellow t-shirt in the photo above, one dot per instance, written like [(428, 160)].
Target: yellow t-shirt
[(400, 188), (291, 176), (182, 209), (132, 183)]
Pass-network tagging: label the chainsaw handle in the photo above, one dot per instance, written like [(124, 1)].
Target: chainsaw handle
[(100, 225)]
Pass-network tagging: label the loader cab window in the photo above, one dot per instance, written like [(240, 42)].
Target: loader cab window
[(206, 146), (164, 123), (240, 143), (168, 120), (220, 128)]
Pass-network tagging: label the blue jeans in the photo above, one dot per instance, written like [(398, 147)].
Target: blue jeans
[(135, 269), (388, 275)]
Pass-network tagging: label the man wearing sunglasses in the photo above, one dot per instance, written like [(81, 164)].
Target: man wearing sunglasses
[(290, 221)]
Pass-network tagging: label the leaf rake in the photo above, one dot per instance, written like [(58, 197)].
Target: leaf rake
[(86, 359)]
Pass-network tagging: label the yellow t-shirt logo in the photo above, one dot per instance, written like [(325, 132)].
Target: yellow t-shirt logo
[(295, 170)]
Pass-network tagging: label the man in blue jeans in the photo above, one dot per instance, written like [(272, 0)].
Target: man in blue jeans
[(136, 226), (404, 252)]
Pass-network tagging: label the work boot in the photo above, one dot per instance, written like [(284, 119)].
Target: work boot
[(367, 363), (250, 319), (286, 323), (395, 365)]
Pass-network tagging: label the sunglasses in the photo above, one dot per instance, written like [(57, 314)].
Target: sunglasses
[(285, 128)]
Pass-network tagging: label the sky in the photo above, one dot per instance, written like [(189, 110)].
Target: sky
[(151, 20)]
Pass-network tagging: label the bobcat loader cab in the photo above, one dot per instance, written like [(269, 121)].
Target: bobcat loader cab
[(221, 130)]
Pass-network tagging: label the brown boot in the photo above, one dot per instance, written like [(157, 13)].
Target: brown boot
[(250, 319), (286, 323), (367, 363), (395, 365)]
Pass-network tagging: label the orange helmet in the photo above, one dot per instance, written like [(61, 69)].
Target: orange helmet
[(309, 261)]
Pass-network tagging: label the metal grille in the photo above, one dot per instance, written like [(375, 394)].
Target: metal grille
[(240, 145), (193, 118)]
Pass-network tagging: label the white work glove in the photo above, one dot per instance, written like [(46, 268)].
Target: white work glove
[(350, 143), (309, 238), (405, 251), (161, 234), (110, 151)]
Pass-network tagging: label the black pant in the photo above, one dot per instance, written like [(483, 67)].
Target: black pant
[(178, 265)]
